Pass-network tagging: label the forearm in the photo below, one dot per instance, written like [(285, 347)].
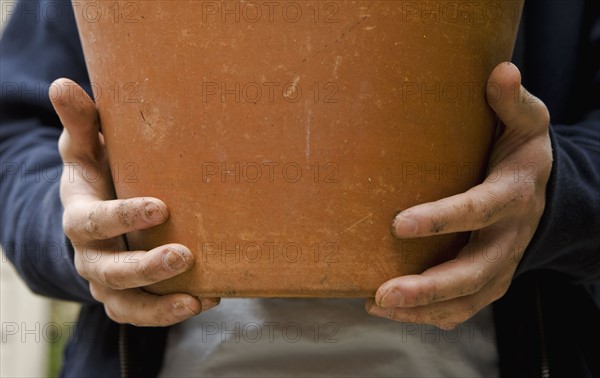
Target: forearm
[(31, 234), (566, 76), (35, 51)]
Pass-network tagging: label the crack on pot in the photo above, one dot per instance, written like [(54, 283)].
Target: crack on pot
[(144, 118)]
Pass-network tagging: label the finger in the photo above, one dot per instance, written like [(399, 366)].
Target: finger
[(515, 106), (87, 218), (445, 315), (130, 269), (78, 115), (143, 309), (477, 208), (476, 264), (484, 204)]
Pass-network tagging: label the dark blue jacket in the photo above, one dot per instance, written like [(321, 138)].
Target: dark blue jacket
[(558, 52)]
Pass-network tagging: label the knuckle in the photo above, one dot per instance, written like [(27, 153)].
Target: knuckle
[(526, 197), (479, 280), (69, 224), (544, 114), (489, 207), (96, 293), (145, 269), (106, 277), (91, 225), (470, 205), (428, 293), (114, 315), (111, 278), (81, 267), (62, 148), (527, 192)]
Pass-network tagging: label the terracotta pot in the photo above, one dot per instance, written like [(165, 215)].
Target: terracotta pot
[(284, 136)]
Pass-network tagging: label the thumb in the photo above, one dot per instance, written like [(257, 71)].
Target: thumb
[(80, 140), (520, 111)]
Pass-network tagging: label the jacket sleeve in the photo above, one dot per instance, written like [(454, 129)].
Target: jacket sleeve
[(567, 240), (39, 45)]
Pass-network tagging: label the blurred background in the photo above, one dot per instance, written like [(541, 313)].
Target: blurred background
[(34, 329)]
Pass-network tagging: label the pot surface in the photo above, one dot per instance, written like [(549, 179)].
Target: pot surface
[(284, 136)]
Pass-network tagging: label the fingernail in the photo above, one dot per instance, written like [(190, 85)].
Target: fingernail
[(153, 213), (404, 225), (391, 298), (376, 310), (174, 260), (208, 303), (182, 310)]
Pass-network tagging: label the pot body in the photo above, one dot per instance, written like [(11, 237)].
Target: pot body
[(284, 136)]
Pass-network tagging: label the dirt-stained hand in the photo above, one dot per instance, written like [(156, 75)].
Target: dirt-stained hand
[(95, 223), (503, 212)]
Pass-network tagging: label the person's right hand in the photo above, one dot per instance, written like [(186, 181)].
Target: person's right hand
[(95, 223)]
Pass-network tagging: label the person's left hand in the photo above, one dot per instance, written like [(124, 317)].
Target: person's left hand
[(503, 212)]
